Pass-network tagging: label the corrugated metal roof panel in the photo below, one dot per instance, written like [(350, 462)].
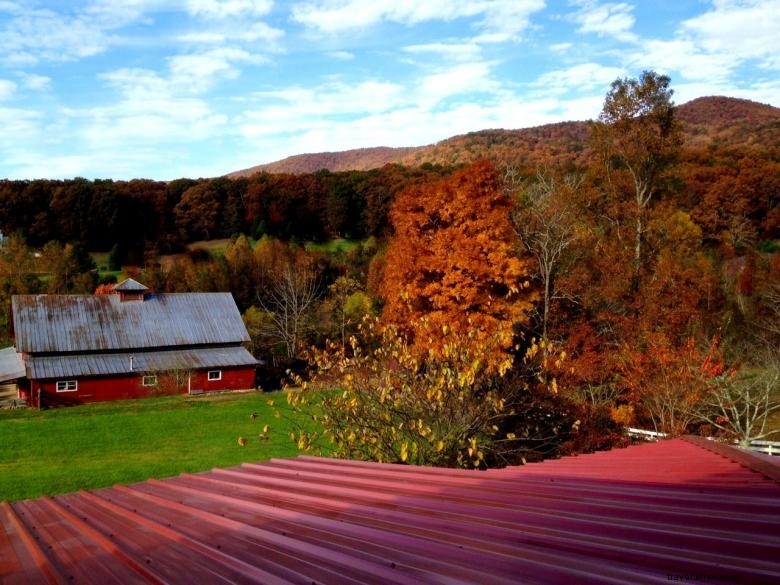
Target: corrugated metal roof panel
[(11, 365), (71, 323), (150, 361), (636, 515)]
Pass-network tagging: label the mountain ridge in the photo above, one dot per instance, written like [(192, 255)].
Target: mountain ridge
[(723, 120)]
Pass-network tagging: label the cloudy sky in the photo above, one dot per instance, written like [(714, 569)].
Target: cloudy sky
[(170, 88)]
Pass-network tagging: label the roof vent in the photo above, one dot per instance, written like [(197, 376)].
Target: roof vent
[(131, 290)]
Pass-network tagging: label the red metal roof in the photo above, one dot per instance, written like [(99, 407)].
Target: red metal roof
[(636, 515)]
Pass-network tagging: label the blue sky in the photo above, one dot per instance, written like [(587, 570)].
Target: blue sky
[(169, 88)]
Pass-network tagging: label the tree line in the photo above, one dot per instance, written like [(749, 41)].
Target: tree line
[(132, 216)]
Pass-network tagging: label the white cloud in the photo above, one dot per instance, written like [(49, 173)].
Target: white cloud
[(464, 51), (35, 82), (128, 138), (761, 91), (605, 19), (683, 56), (45, 35), (228, 8), (744, 29), (113, 14), (560, 47), (21, 129), (333, 16), (464, 78), (137, 83), (339, 116), (501, 19), (7, 89), (253, 33), (505, 20), (35, 166), (341, 55), (709, 49), (198, 72), (582, 77), (295, 107), (407, 124), (187, 74), (11, 7), (31, 36)]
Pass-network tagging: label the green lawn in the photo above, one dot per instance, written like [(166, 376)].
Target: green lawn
[(333, 246), (97, 445)]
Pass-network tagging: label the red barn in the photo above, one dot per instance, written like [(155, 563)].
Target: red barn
[(130, 344)]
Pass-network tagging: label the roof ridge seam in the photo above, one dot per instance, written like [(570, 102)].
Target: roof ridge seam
[(741, 457)]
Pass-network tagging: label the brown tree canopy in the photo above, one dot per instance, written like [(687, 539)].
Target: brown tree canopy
[(453, 263)]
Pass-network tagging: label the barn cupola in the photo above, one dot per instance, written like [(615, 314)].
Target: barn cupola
[(131, 290)]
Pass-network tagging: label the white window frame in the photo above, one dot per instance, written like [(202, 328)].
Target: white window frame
[(67, 386), (145, 380), (216, 377)]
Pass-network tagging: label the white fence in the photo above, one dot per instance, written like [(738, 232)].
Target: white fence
[(643, 434), (768, 447)]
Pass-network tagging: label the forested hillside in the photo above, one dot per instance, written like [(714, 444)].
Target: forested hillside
[(720, 121)]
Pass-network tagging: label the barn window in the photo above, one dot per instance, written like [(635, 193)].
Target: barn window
[(67, 386), (150, 380), (215, 375)]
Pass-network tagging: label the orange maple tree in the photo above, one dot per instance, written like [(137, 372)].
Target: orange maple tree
[(453, 264)]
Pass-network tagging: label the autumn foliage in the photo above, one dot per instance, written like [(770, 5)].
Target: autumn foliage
[(667, 381), (627, 245), (443, 409), (454, 261)]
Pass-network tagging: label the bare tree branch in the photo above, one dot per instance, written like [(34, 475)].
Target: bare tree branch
[(546, 224), (741, 405), (289, 299)]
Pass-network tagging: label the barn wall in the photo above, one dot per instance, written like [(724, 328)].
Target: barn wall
[(232, 379), (99, 389)]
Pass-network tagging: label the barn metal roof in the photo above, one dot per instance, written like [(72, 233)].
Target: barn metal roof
[(130, 285), (149, 361), (73, 323), (636, 515), (11, 365)]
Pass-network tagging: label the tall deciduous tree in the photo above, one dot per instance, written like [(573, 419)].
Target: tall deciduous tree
[(16, 277), (453, 263), (637, 131), (197, 214), (545, 220), (241, 271)]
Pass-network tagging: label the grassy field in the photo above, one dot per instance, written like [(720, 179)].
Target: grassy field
[(84, 447), (216, 248), (333, 246)]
